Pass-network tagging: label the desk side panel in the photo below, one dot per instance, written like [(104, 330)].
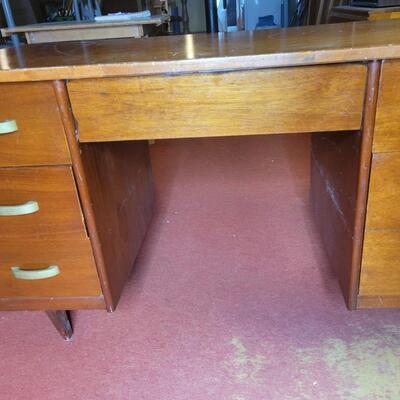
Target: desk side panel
[(116, 191), (120, 184), (334, 177), (282, 100), (341, 166)]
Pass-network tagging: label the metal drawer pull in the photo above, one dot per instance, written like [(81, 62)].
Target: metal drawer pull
[(8, 126), (34, 274), (22, 209)]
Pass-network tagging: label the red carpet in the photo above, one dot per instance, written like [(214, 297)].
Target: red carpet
[(231, 297)]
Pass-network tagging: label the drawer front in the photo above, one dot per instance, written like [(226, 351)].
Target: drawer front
[(39, 138), (72, 271), (39, 202), (383, 211), (380, 269), (299, 99), (380, 272), (387, 125)]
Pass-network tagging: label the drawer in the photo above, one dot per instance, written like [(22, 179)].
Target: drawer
[(380, 266), (61, 268), (39, 138), (380, 271), (387, 124), (43, 203), (383, 211), (299, 99)]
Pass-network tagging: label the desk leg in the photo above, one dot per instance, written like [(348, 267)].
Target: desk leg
[(61, 322)]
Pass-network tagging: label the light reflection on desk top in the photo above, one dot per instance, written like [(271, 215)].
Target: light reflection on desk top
[(347, 42)]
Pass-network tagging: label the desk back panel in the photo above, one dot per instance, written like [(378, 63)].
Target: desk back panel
[(290, 100)]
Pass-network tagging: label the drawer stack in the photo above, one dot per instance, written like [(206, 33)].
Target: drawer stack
[(380, 269), (46, 259)]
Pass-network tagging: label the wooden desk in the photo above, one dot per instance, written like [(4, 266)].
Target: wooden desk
[(352, 13), (89, 30), (85, 112)]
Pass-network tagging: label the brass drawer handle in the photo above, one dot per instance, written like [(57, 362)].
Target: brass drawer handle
[(8, 126), (45, 273), (22, 209)]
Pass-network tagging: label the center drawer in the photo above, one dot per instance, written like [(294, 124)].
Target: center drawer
[(279, 100), (39, 202)]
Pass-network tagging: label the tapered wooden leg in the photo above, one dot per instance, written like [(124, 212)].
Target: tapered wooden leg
[(61, 322)]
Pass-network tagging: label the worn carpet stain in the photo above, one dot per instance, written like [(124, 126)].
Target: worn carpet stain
[(239, 397), (242, 366), (365, 368)]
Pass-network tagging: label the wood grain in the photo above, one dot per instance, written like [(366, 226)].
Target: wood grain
[(384, 192), (93, 33), (68, 26), (238, 103), (40, 138), (345, 13), (52, 303), (336, 158), (334, 176), (81, 181), (54, 189), (387, 130), (308, 45), (116, 219), (378, 302), (380, 272), (120, 183), (78, 276), (364, 170)]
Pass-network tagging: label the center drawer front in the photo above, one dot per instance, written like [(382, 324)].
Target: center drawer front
[(53, 189), (77, 272), (39, 138), (299, 99)]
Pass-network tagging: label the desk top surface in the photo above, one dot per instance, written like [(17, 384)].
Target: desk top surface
[(335, 43)]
